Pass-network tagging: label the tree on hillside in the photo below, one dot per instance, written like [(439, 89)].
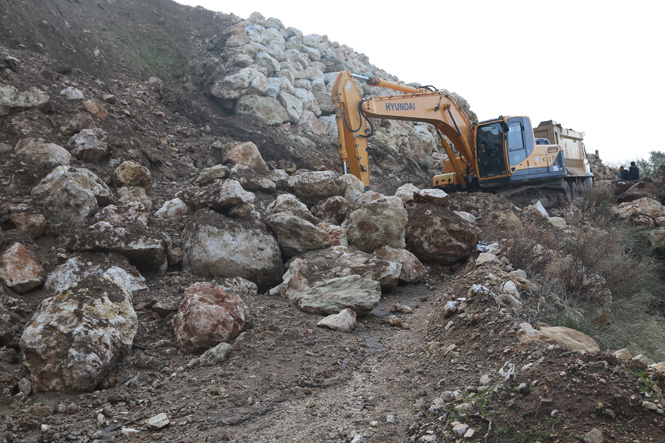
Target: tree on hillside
[(648, 167)]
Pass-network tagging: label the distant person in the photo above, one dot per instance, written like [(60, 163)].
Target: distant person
[(624, 174), (634, 173)]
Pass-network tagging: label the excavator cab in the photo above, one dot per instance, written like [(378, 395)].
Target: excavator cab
[(490, 147), (508, 154)]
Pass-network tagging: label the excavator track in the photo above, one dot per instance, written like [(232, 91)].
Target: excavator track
[(549, 195)]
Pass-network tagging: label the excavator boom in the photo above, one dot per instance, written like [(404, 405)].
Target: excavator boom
[(411, 104)]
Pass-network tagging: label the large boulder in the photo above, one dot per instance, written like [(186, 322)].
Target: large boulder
[(435, 234), (333, 209), (71, 194), (412, 269), (340, 261), (645, 206), (245, 154), (376, 224), (216, 246), (89, 144), (567, 338), (330, 296), (122, 214), (41, 153), (643, 188), (289, 203), (296, 235), (75, 338), (28, 220), (19, 269), (131, 173), (11, 99), (267, 109), (220, 195), (314, 186), (208, 316), (145, 249), (172, 209), (247, 81)]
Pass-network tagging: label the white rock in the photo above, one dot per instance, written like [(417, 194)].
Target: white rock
[(345, 321), (72, 93), (157, 422), (172, 209)]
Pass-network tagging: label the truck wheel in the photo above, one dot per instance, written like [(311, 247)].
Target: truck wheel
[(574, 191), (566, 191)]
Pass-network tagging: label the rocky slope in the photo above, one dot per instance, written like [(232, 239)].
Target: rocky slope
[(181, 259)]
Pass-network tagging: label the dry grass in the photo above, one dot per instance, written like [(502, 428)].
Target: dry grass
[(603, 247)]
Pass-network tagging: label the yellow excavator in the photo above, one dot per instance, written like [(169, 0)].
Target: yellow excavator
[(501, 152)]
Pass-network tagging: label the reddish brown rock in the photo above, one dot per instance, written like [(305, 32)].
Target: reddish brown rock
[(19, 269), (208, 315), (32, 223), (130, 173), (96, 109), (246, 154)]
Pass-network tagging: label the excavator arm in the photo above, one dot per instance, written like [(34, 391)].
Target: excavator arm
[(411, 104)]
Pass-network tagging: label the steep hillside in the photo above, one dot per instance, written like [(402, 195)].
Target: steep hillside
[(182, 260)]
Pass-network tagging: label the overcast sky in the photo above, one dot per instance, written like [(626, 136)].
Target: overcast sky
[(593, 66)]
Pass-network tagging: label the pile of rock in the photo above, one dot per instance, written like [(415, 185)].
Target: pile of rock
[(341, 249), (285, 78)]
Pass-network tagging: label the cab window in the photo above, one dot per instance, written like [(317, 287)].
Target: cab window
[(520, 140)]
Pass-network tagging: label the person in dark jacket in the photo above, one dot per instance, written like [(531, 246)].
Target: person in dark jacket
[(634, 172), (624, 174)]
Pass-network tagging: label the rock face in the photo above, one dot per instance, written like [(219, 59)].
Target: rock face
[(376, 224), (207, 316), (75, 337), (217, 246), (20, 270), (436, 234)]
